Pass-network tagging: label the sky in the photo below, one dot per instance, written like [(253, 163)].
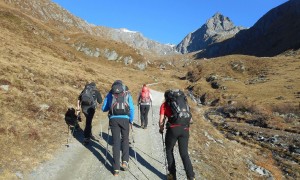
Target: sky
[(166, 21)]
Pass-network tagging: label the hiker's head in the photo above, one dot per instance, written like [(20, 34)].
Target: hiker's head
[(117, 82), (145, 88), (93, 83), (166, 93)]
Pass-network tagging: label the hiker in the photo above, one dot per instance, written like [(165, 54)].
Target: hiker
[(144, 101), (87, 101), (119, 104), (176, 110)]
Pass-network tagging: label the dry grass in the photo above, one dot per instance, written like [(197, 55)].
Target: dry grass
[(42, 69)]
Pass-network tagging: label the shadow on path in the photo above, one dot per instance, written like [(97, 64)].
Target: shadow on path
[(144, 163), (94, 145)]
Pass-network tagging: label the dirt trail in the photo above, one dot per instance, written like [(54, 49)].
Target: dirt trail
[(88, 162)]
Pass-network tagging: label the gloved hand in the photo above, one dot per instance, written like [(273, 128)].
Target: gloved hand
[(161, 130)]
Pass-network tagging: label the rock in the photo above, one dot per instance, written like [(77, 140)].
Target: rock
[(44, 107), (4, 87), (111, 55), (128, 60)]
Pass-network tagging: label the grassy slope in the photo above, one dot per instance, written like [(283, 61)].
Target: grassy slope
[(42, 71)]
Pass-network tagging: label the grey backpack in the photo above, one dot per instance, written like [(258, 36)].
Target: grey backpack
[(88, 96)]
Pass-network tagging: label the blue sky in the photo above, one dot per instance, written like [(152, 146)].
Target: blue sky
[(166, 21)]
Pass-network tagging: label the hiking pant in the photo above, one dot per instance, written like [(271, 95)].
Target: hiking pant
[(180, 134), (144, 109), (88, 123), (120, 135)]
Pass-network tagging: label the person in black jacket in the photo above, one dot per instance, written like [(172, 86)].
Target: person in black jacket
[(87, 101)]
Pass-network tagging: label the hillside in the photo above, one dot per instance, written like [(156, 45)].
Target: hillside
[(44, 68)]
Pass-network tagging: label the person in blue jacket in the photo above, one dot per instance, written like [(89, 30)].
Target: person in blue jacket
[(119, 105)]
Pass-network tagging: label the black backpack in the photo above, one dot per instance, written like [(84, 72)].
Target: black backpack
[(177, 100), (87, 96), (119, 104), (70, 117)]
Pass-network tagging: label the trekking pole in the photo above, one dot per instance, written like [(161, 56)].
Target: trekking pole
[(139, 113), (165, 151), (152, 114), (101, 132), (107, 144), (133, 144), (68, 136)]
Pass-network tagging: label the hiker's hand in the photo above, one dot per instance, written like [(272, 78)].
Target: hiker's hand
[(161, 130), (77, 112), (131, 126)]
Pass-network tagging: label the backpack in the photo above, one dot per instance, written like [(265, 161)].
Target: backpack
[(87, 96), (145, 95), (119, 104), (70, 117), (177, 100)]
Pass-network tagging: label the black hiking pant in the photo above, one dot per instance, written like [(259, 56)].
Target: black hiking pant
[(120, 136), (144, 109), (180, 134), (89, 114)]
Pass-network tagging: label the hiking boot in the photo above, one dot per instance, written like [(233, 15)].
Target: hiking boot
[(86, 141), (116, 173), (125, 165), (171, 177), (93, 137)]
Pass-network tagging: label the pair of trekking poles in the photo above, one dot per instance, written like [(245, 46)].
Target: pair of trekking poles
[(107, 140)]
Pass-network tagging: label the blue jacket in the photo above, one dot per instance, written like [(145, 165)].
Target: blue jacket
[(107, 103)]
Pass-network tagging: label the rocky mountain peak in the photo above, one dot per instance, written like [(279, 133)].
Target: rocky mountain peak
[(219, 23), (216, 29), (274, 33)]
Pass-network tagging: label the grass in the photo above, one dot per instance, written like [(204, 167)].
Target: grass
[(42, 69)]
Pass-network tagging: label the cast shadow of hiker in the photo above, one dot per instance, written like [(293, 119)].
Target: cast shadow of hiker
[(144, 163), (94, 146), (136, 125)]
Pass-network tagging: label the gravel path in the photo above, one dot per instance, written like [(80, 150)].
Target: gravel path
[(88, 162)]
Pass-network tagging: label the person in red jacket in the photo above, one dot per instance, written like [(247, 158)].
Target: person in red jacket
[(144, 101), (175, 132)]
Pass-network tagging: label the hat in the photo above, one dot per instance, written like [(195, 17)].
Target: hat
[(118, 82)]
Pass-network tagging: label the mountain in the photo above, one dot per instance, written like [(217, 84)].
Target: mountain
[(275, 32), (52, 14), (216, 29), (137, 40)]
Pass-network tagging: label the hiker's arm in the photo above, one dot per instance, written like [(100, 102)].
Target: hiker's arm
[(150, 97), (161, 123), (139, 99), (78, 107), (106, 105), (99, 97), (131, 106)]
